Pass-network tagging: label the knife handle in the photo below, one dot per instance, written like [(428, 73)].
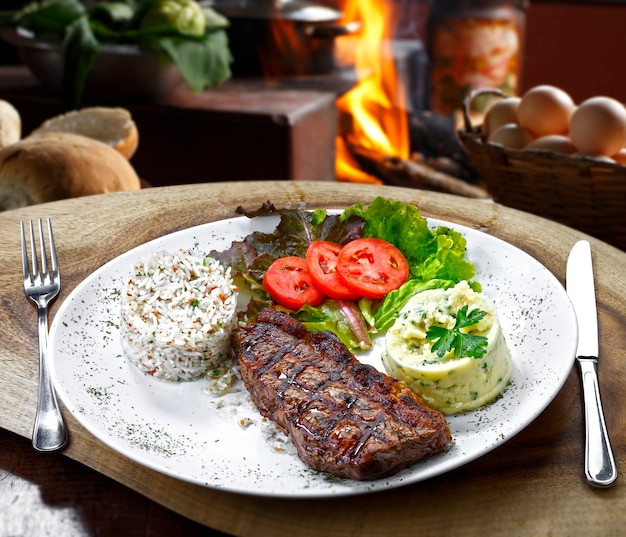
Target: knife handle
[(600, 468)]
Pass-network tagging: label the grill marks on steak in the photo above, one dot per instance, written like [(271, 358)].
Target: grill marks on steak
[(344, 417)]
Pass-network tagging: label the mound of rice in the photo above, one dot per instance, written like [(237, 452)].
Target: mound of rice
[(178, 312)]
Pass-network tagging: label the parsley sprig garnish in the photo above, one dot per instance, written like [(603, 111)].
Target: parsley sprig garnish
[(446, 339)]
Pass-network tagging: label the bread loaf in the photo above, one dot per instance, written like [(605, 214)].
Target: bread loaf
[(54, 166), (10, 124), (112, 126)]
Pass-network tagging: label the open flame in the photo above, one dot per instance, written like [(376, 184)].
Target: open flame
[(370, 115)]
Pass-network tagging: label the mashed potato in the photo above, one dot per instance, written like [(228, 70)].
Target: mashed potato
[(449, 383)]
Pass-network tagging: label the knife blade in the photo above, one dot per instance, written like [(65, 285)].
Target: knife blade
[(600, 467)]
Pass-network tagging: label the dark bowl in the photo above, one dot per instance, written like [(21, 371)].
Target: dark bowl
[(120, 72)]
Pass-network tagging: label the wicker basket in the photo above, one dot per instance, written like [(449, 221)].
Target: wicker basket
[(582, 193)]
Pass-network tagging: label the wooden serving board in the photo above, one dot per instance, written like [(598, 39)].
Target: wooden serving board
[(531, 485)]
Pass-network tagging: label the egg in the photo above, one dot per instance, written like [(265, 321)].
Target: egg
[(554, 142), (545, 110), (500, 113), (511, 136), (620, 156), (599, 126)]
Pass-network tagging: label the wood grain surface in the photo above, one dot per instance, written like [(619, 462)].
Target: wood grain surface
[(531, 485)]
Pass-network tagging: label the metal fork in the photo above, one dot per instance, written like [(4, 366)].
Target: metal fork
[(49, 432)]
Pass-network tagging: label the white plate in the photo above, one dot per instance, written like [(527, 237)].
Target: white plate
[(180, 430)]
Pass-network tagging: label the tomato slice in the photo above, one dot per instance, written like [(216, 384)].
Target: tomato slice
[(372, 267), (288, 281), (321, 258)]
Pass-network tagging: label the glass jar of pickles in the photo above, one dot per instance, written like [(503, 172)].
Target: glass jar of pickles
[(473, 44)]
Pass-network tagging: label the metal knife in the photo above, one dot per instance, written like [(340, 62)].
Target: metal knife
[(600, 468)]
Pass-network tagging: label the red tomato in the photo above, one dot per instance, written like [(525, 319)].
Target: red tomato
[(372, 267), (321, 258), (288, 281)]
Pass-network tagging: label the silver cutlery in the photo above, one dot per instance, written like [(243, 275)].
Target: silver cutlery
[(42, 286), (600, 467)]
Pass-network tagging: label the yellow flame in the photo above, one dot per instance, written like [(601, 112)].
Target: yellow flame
[(377, 120)]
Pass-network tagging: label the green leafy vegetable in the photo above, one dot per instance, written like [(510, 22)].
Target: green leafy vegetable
[(192, 36), (400, 224), (80, 48), (387, 312), (436, 259), (463, 344), (342, 317), (112, 16), (47, 19), (294, 233), (250, 258), (186, 16), (438, 254)]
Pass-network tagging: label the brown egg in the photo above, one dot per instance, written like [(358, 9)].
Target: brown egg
[(545, 110), (620, 156), (599, 126), (511, 136), (553, 142), (500, 113)]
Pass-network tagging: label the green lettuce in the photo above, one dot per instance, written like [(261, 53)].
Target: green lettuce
[(437, 259), (438, 254), (387, 312), (342, 317)]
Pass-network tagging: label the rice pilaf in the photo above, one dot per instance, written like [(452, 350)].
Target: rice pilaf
[(177, 315)]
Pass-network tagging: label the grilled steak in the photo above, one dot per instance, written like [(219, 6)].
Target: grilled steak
[(344, 417)]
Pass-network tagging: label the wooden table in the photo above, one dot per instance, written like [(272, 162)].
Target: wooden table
[(531, 485)]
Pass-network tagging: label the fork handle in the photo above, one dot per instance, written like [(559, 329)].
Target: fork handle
[(49, 433)]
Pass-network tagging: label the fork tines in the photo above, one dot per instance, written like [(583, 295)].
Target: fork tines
[(37, 277)]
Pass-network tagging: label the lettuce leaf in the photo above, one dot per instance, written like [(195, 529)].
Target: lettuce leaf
[(342, 317), (296, 230), (436, 259), (398, 223), (387, 312), (438, 254)]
